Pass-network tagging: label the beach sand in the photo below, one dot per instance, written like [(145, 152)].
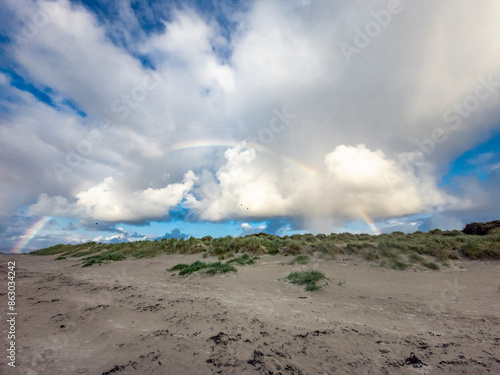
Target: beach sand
[(133, 317)]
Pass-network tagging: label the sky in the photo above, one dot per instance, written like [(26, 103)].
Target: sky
[(140, 119)]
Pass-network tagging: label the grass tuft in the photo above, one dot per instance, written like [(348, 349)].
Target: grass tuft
[(308, 278), (210, 269), (243, 260)]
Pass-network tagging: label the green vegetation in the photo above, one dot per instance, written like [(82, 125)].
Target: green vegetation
[(328, 248), (416, 258), (371, 255), (308, 278), (243, 260), (300, 259), (101, 258), (214, 268), (207, 268), (397, 264), (396, 250), (483, 249), (431, 265)]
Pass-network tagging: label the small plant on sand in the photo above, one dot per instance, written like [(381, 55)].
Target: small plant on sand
[(300, 259), (186, 269), (342, 283), (207, 268), (211, 269), (308, 278)]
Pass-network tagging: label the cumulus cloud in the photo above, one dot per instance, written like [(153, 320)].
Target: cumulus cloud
[(108, 201), (357, 181)]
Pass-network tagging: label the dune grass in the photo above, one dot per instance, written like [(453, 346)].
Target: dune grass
[(207, 268), (371, 255), (308, 278), (210, 269), (397, 250), (301, 260), (243, 260), (101, 258)]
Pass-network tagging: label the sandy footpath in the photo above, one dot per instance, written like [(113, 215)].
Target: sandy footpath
[(133, 317)]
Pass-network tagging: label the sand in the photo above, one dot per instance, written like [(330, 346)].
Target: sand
[(133, 317)]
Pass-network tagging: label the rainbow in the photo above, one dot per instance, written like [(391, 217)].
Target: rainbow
[(30, 233), (370, 223), (210, 143)]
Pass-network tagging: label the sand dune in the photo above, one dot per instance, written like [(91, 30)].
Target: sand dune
[(133, 317)]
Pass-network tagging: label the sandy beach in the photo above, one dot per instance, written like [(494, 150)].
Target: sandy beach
[(133, 317)]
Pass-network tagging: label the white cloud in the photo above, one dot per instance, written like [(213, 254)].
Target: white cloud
[(108, 201), (3, 79), (244, 189), (354, 123), (358, 180), (248, 229)]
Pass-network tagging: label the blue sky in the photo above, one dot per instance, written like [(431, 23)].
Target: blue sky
[(129, 120)]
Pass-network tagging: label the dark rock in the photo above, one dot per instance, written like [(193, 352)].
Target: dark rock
[(481, 228), (414, 361)]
